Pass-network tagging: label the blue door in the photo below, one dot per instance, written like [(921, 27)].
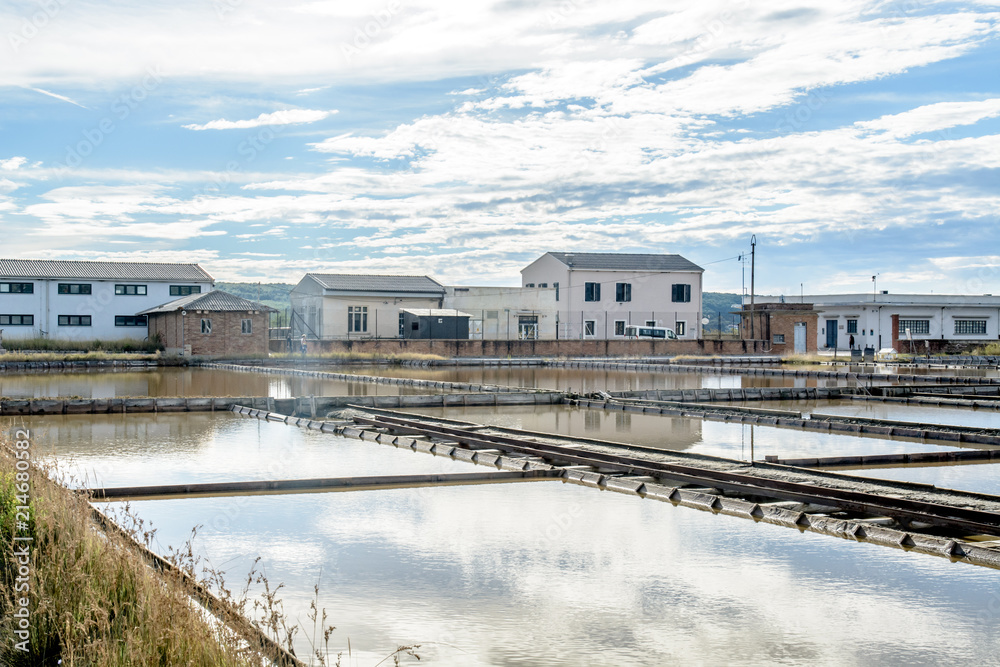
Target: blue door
[(831, 333)]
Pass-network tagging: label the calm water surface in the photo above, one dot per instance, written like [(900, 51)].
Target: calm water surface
[(173, 381), (541, 573), (553, 574)]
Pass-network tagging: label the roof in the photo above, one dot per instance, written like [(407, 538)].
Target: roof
[(613, 261), (52, 268), (434, 312), (376, 283), (216, 301)]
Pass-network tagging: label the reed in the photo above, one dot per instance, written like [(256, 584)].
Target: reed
[(94, 601)]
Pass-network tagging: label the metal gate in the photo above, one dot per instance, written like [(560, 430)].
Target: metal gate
[(800, 337), (831, 333)]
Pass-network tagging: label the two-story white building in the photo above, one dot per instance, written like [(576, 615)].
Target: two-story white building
[(76, 300), (599, 294), (506, 313)]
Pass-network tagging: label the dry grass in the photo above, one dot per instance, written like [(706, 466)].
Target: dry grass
[(988, 350), (126, 345), (78, 356), (360, 356), (93, 600)]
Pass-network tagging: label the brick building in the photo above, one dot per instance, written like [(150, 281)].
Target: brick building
[(215, 323), (788, 328)]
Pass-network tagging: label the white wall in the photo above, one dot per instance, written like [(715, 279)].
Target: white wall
[(874, 315), (497, 311), (651, 298), (102, 304)]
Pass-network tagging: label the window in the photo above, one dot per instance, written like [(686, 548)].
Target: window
[(779, 339), (492, 314), (184, 290), (623, 292), (543, 284), (680, 293), (357, 319), (17, 320), (206, 327), (588, 327), (402, 325), (130, 320), (619, 327), (680, 328), (592, 291), (74, 288), (852, 326), (130, 290), (74, 320), (530, 285), (650, 323), (970, 327), (916, 327), (556, 285), (246, 327), (17, 288)]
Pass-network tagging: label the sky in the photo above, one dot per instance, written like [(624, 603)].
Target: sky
[(462, 140)]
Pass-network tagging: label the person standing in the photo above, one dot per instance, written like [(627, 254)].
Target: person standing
[(851, 341), (302, 345)]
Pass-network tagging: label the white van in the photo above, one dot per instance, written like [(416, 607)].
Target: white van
[(635, 331)]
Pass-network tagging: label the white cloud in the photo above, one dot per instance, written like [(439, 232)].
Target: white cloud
[(283, 117), (932, 118), (13, 163)]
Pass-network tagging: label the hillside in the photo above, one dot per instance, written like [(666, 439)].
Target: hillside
[(274, 295), (714, 303)]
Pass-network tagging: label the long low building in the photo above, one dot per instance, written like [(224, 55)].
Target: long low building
[(917, 323), (77, 300)]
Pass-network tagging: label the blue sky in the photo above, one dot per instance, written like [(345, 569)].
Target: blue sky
[(463, 140)]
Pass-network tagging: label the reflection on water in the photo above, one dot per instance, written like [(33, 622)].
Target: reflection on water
[(680, 433), (187, 382), (982, 477), (175, 448), (927, 414), (556, 575), (585, 380)]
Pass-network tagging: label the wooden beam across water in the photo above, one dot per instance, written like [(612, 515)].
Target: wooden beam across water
[(315, 485)]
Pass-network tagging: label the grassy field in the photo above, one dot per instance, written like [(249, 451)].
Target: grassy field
[(124, 345)]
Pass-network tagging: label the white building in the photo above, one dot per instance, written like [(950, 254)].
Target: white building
[(72, 300), (506, 313), (599, 294), (332, 306), (918, 323)]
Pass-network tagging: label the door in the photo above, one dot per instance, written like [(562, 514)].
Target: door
[(831, 333), (800, 338)]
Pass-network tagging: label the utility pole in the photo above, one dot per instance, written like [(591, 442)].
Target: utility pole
[(753, 256), (875, 287)]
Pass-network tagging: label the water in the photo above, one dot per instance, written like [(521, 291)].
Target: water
[(554, 574), (681, 434), (172, 381), (542, 573), (926, 414)]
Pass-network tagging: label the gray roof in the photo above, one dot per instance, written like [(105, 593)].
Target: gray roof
[(434, 312), (51, 268), (375, 283), (216, 301), (613, 261)]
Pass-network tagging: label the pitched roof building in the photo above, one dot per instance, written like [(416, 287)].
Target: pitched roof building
[(598, 295), (215, 323), (331, 305), (77, 300)]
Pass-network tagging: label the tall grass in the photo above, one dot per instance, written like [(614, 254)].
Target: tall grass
[(95, 602), (390, 357), (146, 345), (988, 350)]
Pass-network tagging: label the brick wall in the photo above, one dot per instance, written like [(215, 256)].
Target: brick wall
[(529, 348), (227, 335)]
